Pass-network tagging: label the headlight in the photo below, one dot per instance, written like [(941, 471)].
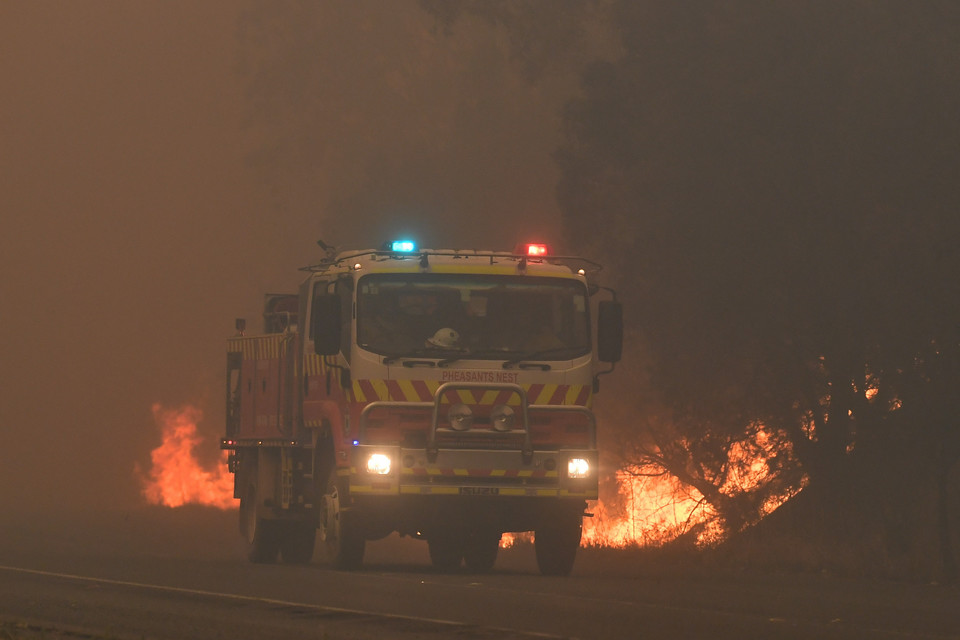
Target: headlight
[(460, 417), (578, 468), (502, 418), (378, 464)]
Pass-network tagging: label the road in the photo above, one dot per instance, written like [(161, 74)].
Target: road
[(157, 573)]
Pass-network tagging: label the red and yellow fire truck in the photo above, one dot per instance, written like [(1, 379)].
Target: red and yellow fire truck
[(441, 394)]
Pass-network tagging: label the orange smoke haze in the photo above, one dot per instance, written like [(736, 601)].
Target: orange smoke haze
[(176, 477)]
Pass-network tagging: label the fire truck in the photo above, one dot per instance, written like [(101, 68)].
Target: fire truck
[(441, 394)]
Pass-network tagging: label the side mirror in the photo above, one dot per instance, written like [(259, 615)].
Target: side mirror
[(325, 324), (610, 331)]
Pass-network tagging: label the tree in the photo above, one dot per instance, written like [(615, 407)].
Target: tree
[(774, 187)]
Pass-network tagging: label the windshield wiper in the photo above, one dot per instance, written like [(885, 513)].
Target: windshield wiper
[(406, 354), (427, 352), (536, 355), (463, 354)]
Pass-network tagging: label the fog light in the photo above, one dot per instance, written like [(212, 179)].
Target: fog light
[(378, 464), (578, 468), (460, 417), (502, 418)]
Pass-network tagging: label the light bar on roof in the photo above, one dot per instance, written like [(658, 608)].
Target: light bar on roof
[(403, 246)]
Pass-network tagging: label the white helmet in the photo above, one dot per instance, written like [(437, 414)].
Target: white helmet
[(445, 338)]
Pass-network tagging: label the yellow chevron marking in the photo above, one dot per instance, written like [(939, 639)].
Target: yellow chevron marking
[(358, 392), (503, 491), (547, 393), (490, 396), (407, 390), (460, 472), (380, 389), (423, 490), (516, 491), (313, 365), (259, 347)]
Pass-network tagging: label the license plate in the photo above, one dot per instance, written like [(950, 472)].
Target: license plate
[(479, 491)]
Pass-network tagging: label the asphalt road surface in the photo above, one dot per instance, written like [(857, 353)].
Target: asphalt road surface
[(160, 573)]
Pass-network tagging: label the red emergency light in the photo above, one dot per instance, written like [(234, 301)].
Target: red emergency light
[(533, 250)]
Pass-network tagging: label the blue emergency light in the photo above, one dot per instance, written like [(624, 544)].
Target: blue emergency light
[(403, 246)]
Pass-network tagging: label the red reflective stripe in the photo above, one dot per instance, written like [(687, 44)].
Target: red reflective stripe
[(368, 391), (394, 392), (559, 395), (533, 393), (423, 391)]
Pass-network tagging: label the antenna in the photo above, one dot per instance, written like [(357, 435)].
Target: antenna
[(329, 251)]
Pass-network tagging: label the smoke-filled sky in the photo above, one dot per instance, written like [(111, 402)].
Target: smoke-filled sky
[(165, 163)]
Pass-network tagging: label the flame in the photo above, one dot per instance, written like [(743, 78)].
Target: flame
[(652, 508), (176, 477), (649, 509)]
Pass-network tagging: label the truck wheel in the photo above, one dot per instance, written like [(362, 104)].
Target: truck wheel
[(297, 541), (342, 539), (446, 552), (556, 542), (261, 535), (480, 552)]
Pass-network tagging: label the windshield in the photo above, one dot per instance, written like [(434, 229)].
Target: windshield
[(475, 316)]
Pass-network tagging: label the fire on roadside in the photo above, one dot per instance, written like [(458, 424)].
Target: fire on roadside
[(647, 509), (650, 508), (176, 477)]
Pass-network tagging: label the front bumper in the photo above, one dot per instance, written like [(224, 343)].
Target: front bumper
[(473, 473)]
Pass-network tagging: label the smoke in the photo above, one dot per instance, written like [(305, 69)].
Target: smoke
[(385, 118), (167, 163)]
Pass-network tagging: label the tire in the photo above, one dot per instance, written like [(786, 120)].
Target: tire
[(446, 551), (480, 551), (297, 542), (262, 536), (342, 539), (556, 541)]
